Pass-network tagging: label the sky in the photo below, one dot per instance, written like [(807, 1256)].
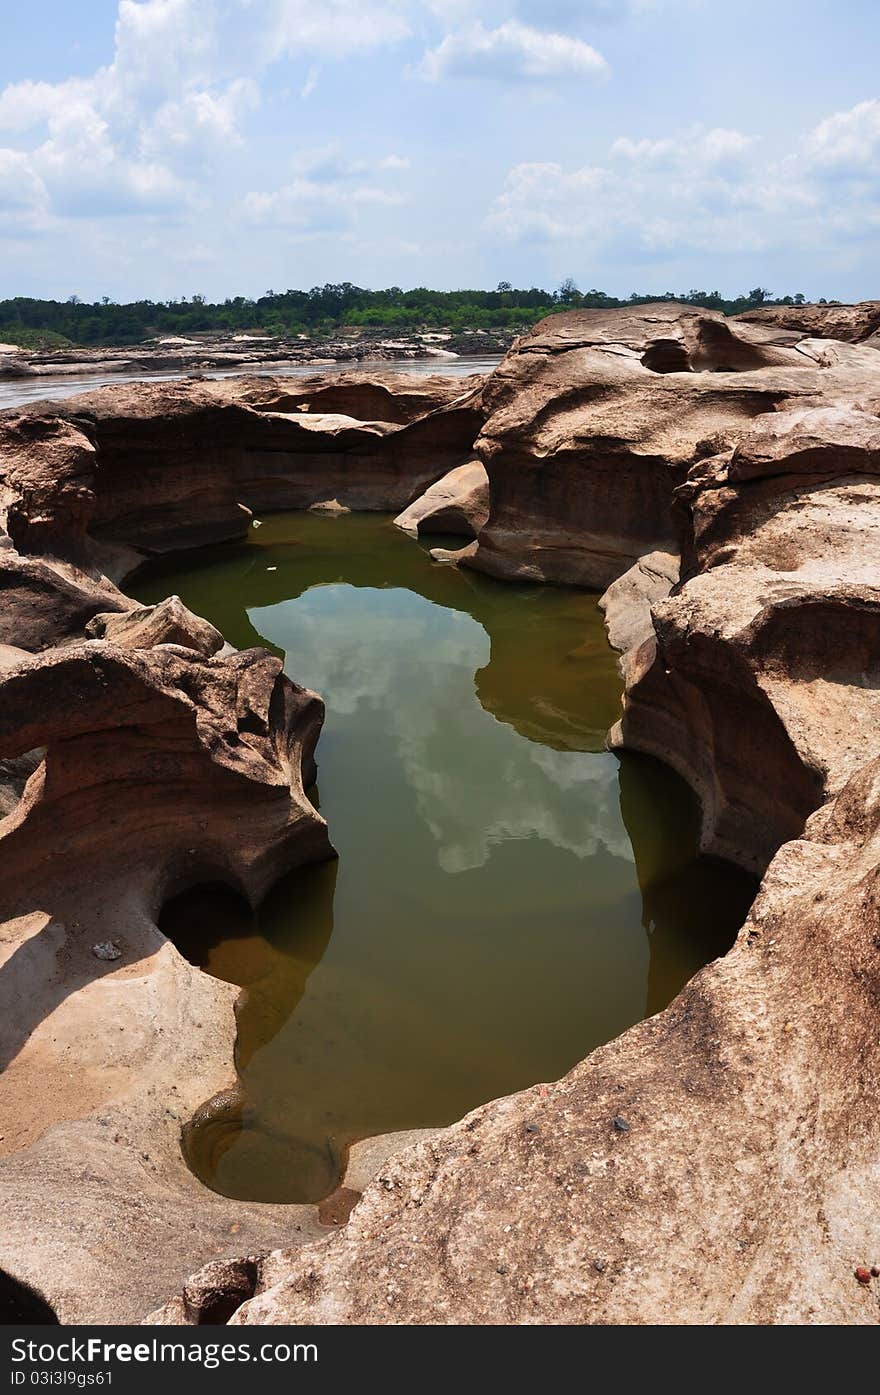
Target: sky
[(165, 148)]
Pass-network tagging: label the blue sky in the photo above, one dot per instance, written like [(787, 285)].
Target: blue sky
[(166, 147)]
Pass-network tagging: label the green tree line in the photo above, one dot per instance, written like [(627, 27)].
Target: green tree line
[(323, 309)]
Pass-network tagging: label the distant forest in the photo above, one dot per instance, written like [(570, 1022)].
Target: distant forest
[(324, 309)]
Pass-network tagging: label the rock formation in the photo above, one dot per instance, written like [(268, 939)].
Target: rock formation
[(140, 755), (594, 419), (183, 464), (458, 503), (854, 324), (244, 353), (717, 1163)]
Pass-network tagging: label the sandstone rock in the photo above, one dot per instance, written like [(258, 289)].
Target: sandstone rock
[(627, 603), (455, 555), (664, 1176), (458, 503), (46, 602), (392, 397), (159, 768), (213, 1295), (183, 464), (584, 445), (47, 472), (684, 1158), (169, 622), (12, 365), (851, 323), (106, 949)]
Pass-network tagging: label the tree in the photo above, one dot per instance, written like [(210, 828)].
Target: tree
[(759, 296), (568, 292), (504, 286)]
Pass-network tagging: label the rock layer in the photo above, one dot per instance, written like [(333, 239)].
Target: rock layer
[(717, 1163), (593, 421), (140, 755)]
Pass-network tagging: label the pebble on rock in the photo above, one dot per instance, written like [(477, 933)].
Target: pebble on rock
[(106, 949), (863, 1275), (622, 1125)]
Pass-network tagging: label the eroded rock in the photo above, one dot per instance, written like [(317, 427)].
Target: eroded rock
[(169, 622), (458, 503), (662, 1178), (584, 444)]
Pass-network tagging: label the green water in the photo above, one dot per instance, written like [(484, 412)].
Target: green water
[(508, 895)]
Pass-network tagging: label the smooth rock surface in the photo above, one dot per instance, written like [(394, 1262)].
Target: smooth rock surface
[(457, 504)]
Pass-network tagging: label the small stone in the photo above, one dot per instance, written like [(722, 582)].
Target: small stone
[(599, 1266), (621, 1124), (501, 1269), (532, 1128), (106, 949), (875, 1269), (863, 1275)]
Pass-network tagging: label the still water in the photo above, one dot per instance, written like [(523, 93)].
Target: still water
[(16, 392), (508, 894)]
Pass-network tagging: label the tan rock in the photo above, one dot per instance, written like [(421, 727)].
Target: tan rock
[(715, 1164), (584, 445), (851, 323), (458, 503), (169, 622)]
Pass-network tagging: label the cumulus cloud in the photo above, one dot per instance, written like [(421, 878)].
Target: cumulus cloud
[(21, 189), (702, 189), (135, 135), (314, 207), (326, 195), (332, 27), (512, 51), (199, 122), (327, 191), (848, 142), (698, 148)]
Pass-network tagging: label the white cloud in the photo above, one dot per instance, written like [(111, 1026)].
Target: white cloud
[(328, 191), (332, 27), (135, 136), (311, 206), (848, 142), (310, 84), (512, 51), (24, 105), (697, 148), (21, 189), (705, 190), (200, 121)]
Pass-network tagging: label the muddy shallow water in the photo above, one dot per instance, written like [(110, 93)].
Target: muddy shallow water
[(508, 895)]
